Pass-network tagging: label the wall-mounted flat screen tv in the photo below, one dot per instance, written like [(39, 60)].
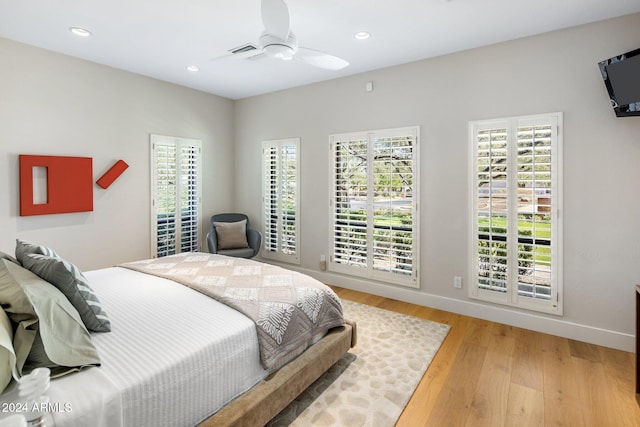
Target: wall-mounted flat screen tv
[(621, 76)]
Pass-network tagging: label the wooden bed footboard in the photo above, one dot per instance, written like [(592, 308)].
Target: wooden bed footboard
[(270, 396)]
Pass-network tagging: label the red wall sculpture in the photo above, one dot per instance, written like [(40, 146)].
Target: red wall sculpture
[(69, 184), (112, 174)]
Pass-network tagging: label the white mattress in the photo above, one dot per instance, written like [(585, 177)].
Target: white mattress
[(173, 357)]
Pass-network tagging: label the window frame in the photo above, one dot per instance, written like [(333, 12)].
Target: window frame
[(511, 297), (180, 144), (369, 271), (273, 246)]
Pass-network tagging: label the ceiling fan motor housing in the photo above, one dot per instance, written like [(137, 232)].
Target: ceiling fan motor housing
[(275, 47)]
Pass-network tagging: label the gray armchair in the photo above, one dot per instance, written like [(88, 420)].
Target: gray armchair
[(230, 243)]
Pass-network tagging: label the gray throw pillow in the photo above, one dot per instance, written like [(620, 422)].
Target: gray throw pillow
[(46, 322), (232, 235), (23, 249), (70, 280)]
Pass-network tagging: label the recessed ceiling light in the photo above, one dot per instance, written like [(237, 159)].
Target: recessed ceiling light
[(193, 68), (362, 35), (81, 32)]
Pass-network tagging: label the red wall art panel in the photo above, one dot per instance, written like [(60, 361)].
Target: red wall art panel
[(61, 185), (112, 174)]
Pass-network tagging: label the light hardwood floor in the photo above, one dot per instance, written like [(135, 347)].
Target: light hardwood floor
[(490, 374)]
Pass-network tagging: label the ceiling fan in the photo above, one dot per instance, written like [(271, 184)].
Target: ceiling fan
[(278, 41)]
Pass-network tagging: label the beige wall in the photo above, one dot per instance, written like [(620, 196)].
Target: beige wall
[(541, 74), (51, 104)]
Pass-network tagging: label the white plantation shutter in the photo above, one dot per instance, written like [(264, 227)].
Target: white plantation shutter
[(393, 231), (350, 182), (492, 207), (536, 190), (516, 221), (176, 194), (270, 197), (280, 199), (374, 205)]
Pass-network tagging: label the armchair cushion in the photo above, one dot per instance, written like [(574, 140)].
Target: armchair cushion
[(231, 235), (238, 228)]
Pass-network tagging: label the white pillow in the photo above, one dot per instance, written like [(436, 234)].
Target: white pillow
[(7, 354), (46, 324)]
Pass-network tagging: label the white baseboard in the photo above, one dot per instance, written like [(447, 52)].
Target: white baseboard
[(485, 311)]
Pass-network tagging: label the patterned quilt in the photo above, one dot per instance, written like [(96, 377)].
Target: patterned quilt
[(290, 309)]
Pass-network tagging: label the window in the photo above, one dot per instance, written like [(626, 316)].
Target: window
[(374, 204), (176, 194), (280, 199), (516, 239)]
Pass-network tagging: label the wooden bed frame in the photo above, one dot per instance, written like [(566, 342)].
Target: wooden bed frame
[(266, 399)]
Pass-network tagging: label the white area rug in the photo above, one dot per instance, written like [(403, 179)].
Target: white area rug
[(370, 385)]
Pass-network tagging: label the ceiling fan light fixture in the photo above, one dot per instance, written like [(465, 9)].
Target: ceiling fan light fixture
[(279, 51), (275, 47)]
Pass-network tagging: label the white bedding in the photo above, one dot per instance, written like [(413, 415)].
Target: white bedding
[(160, 355)]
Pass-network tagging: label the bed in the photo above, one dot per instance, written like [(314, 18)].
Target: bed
[(177, 357)]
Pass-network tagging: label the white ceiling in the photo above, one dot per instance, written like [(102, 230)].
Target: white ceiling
[(160, 38)]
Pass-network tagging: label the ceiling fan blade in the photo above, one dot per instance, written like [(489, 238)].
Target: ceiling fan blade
[(275, 18), (321, 59)]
